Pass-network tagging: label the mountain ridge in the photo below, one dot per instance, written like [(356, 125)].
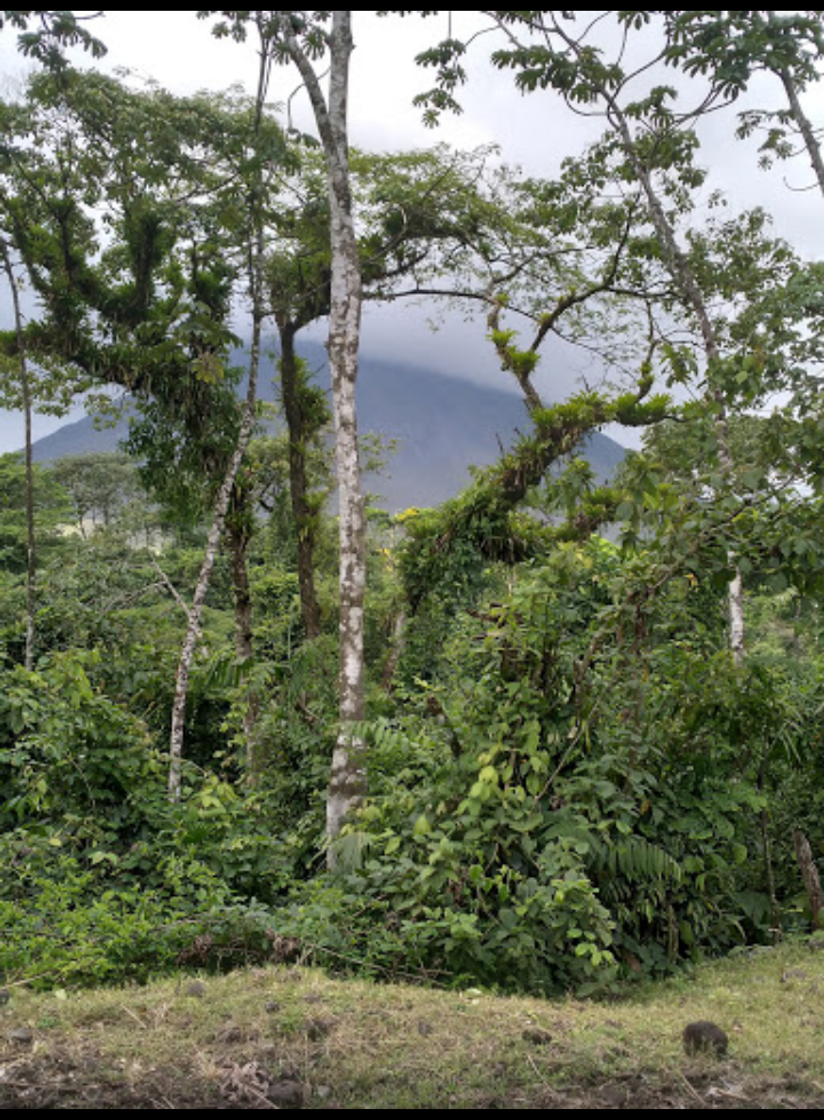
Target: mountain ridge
[(443, 425)]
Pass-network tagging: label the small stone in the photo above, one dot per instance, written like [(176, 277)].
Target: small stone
[(703, 1037), (197, 989), (286, 1094), (228, 1033), (316, 1029), (537, 1035)]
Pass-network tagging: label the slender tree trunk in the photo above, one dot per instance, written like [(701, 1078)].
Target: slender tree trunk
[(170, 587), (685, 281), (802, 121), (395, 651), (237, 542), (221, 506), (347, 784), (735, 600), (302, 512), (31, 552), (766, 844), (804, 127)]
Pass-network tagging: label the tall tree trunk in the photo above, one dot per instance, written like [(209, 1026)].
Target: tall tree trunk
[(302, 512), (395, 651), (347, 784), (685, 281), (809, 873), (237, 543), (808, 133), (255, 248), (31, 552)]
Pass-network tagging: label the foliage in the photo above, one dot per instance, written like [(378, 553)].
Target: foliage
[(51, 507), (103, 879), (45, 35), (551, 829), (571, 781), (62, 925)]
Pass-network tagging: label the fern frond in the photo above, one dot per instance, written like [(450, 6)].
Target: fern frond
[(634, 858)]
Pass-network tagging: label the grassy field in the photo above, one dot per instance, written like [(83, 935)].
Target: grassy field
[(290, 1037)]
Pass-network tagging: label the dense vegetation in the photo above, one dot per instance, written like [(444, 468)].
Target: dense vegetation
[(592, 732)]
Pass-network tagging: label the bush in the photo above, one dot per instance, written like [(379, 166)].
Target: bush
[(61, 925), (546, 828)]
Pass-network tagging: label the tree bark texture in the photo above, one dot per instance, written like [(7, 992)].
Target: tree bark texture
[(347, 783), (809, 873)]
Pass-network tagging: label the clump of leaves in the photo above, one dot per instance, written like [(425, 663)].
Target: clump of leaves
[(574, 805)]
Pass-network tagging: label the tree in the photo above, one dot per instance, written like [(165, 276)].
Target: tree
[(26, 398), (651, 140), (101, 485), (733, 46), (148, 310), (301, 39), (51, 508), (253, 246), (427, 222)]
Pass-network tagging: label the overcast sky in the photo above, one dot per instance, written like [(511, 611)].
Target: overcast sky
[(177, 50)]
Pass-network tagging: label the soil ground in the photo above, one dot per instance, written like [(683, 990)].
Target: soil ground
[(65, 1079), (291, 1037)]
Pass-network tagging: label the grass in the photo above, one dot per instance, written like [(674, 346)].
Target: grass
[(291, 1034)]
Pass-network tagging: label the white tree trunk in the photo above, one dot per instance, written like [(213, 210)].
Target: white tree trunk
[(735, 597), (221, 506), (347, 783), (255, 247)]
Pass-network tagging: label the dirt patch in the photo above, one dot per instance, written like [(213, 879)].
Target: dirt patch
[(61, 1079), (690, 1091), (285, 1038), (67, 1080)]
